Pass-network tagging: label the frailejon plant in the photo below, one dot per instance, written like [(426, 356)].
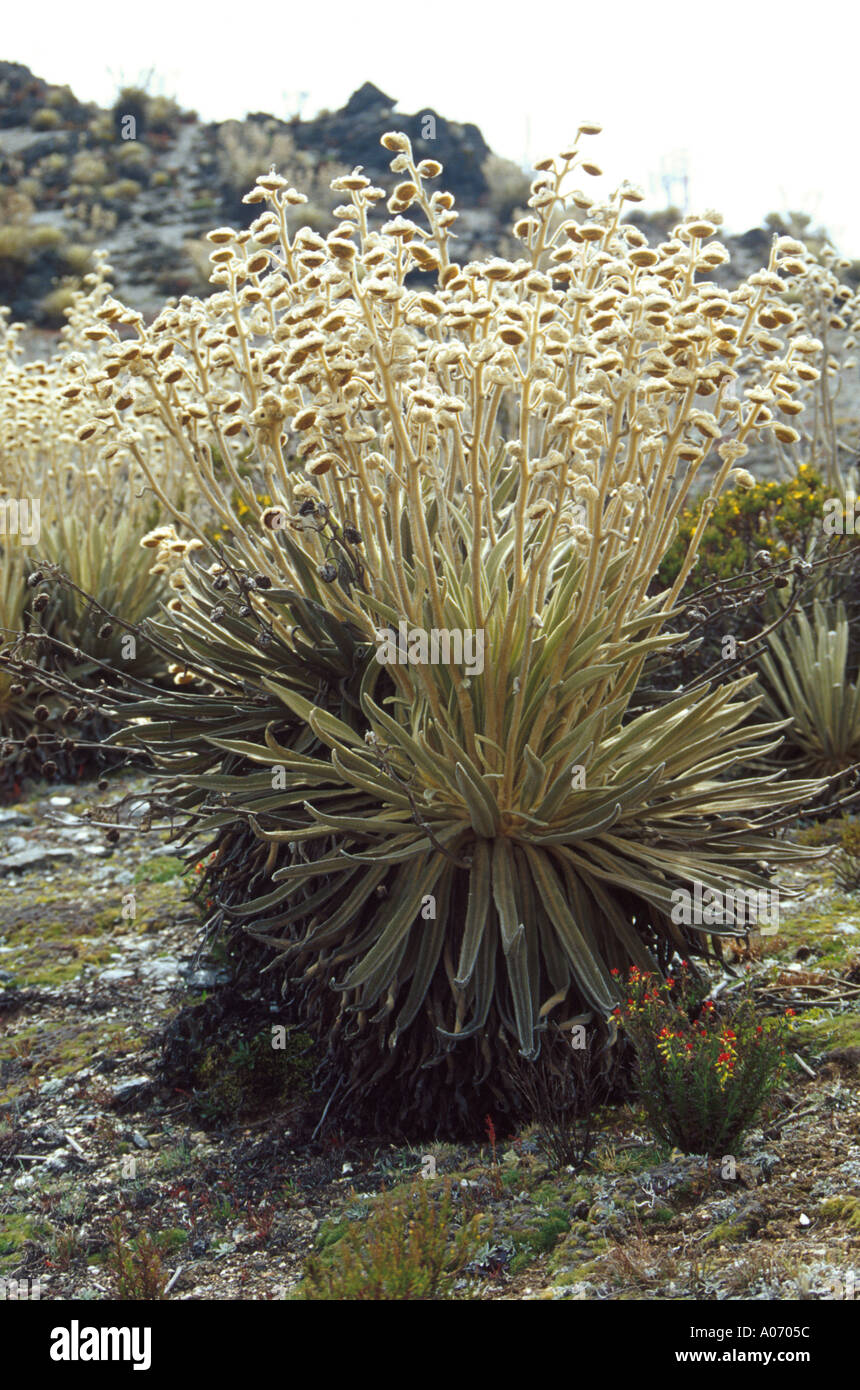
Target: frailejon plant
[(828, 313), (806, 679), (90, 504), (69, 505), (703, 1075), (445, 862), (15, 706), (47, 450)]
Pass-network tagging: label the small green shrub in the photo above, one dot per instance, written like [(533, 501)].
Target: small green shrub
[(160, 870), (846, 863), (242, 1076), (123, 191), (78, 258), (53, 306), (14, 243), (546, 1236), (88, 168), (169, 1241), (164, 116), (408, 1248), (819, 833), (133, 155), (136, 1265), (45, 238), (703, 1076), (101, 128), (46, 119)]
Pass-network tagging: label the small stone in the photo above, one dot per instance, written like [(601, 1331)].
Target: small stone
[(164, 968), (140, 1139), (765, 1162), (205, 979), (32, 859), (804, 1219), (131, 1088)]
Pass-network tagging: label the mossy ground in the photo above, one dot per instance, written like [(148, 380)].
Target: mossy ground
[(51, 934)]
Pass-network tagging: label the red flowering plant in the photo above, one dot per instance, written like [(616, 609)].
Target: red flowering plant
[(703, 1073)]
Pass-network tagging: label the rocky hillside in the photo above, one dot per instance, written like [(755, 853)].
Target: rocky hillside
[(146, 180)]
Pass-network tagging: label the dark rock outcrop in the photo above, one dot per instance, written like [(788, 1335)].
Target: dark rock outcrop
[(352, 135), (22, 95)]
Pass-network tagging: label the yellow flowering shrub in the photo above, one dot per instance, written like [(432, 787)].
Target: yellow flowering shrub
[(781, 518)]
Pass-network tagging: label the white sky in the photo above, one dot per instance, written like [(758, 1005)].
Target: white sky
[(757, 99)]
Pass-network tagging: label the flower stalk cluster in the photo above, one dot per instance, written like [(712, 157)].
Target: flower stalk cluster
[(513, 443)]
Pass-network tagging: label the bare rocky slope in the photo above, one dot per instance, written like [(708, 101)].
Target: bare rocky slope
[(146, 180)]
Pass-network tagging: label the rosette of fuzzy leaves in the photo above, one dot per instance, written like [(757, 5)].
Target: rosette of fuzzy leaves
[(104, 563), (67, 632), (805, 679)]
